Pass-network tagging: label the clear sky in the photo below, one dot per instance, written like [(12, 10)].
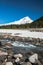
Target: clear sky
[(11, 10)]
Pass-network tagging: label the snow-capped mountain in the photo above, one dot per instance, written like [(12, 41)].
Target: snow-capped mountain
[(24, 20)]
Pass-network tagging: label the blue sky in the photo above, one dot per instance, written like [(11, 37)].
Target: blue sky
[(11, 10)]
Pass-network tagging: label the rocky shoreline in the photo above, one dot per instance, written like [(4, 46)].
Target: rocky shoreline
[(28, 39), (22, 39), (9, 57)]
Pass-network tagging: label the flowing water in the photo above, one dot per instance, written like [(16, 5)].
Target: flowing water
[(25, 47), (28, 47)]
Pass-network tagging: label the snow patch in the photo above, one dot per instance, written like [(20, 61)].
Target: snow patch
[(23, 33)]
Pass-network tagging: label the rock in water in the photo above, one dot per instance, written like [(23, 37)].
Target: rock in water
[(18, 55), (33, 58), (24, 63), (28, 63), (3, 53), (17, 60), (9, 63)]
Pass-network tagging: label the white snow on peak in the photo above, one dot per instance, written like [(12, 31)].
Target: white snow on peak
[(24, 20)]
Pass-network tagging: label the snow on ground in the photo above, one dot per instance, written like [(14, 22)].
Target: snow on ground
[(23, 33)]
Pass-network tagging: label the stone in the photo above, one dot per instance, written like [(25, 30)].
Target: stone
[(17, 60), (9, 63), (3, 53), (18, 55), (28, 63), (33, 58), (24, 63)]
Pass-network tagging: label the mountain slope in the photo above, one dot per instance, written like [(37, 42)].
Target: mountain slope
[(24, 20), (37, 23), (24, 23)]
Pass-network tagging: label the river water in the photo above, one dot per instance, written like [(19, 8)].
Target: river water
[(25, 47)]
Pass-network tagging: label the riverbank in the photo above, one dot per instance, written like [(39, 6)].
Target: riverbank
[(22, 35), (25, 43), (19, 55)]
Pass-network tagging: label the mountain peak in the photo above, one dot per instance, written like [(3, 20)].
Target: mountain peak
[(28, 19), (24, 20)]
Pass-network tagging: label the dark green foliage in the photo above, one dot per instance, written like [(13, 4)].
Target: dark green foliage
[(37, 23), (15, 26)]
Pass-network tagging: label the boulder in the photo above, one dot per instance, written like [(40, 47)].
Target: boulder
[(28, 63), (18, 55), (17, 60), (24, 63), (33, 58), (9, 63), (3, 53)]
